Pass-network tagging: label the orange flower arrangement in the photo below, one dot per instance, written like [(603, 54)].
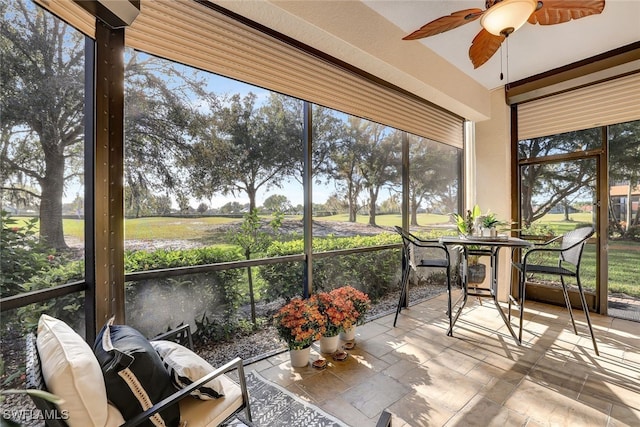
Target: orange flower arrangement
[(338, 311), (360, 300), (300, 323)]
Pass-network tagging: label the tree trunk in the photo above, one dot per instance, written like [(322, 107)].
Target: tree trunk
[(565, 207), (251, 192), (52, 185), (353, 205), (414, 212), (251, 296), (252, 300), (373, 197), (629, 205)]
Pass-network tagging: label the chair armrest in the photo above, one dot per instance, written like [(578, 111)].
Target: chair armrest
[(538, 250), (427, 243), (181, 394), (548, 242), (178, 334)]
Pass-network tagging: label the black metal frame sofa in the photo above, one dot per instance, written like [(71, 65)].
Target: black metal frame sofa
[(126, 380)]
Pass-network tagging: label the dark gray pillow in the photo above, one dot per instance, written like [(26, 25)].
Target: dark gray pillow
[(134, 374)]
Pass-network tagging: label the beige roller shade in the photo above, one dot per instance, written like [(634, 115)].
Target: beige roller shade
[(72, 14), (606, 103), (191, 33)]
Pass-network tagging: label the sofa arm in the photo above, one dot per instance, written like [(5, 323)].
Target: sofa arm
[(181, 335), (181, 394)]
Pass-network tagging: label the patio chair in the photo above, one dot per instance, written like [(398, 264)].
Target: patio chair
[(569, 257), (409, 262), (78, 383)]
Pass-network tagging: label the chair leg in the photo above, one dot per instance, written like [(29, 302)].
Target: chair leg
[(403, 293), (568, 304), (522, 285), (460, 303), (449, 308), (586, 313)]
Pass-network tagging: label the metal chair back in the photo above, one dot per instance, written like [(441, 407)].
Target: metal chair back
[(432, 252), (573, 244)]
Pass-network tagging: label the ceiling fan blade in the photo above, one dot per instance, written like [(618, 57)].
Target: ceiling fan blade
[(483, 46), (559, 11), (445, 23)]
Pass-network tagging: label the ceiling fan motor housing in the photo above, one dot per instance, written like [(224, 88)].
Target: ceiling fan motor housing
[(504, 17)]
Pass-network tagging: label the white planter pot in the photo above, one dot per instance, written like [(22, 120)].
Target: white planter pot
[(489, 232), (300, 358), (349, 334), (329, 344)]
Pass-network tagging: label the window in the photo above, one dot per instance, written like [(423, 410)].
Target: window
[(42, 163)]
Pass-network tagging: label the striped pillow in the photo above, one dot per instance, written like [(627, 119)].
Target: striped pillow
[(185, 367), (134, 375)]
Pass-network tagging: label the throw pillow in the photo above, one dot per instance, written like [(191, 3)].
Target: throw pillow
[(71, 371), (134, 375), (185, 367)]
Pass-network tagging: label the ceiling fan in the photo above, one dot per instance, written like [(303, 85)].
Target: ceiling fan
[(503, 17)]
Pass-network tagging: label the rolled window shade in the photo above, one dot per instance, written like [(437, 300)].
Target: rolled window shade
[(193, 34), (72, 14), (606, 103)]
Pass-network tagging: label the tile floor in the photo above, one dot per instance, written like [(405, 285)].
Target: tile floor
[(479, 377)]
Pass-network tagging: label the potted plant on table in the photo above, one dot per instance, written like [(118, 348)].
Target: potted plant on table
[(471, 225), (467, 224), (299, 324), (488, 224)]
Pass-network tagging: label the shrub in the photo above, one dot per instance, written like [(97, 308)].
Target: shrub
[(21, 254), (69, 308), (372, 272), (154, 305), (633, 233)]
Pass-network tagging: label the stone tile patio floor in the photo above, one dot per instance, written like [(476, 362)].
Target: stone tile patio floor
[(480, 376)]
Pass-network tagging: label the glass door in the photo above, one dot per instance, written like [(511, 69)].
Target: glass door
[(624, 221), (557, 197)]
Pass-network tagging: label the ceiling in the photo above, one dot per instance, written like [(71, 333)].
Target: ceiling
[(368, 34), (532, 49)]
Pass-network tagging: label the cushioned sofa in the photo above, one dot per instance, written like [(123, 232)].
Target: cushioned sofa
[(126, 380)]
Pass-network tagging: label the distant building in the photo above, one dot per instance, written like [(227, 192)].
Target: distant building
[(621, 198)]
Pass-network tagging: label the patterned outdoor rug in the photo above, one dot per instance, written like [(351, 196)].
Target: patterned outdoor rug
[(272, 406)]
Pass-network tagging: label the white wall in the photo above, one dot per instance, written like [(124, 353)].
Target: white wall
[(493, 173)]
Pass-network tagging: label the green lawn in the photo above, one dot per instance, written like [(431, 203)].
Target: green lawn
[(390, 219), (152, 227), (557, 222), (624, 256), (172, 228)]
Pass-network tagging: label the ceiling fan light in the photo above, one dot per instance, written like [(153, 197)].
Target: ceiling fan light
[(507, 16)]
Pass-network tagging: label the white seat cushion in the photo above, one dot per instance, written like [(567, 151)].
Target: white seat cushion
[(114, 417), (185, 367), (71, 371), (210, 413)]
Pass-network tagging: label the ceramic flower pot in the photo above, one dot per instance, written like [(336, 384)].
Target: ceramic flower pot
[(476, 273), (329, 344), (349, 334), (300, 358)]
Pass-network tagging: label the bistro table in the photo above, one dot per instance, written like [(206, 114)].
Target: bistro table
[(484, 246)]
